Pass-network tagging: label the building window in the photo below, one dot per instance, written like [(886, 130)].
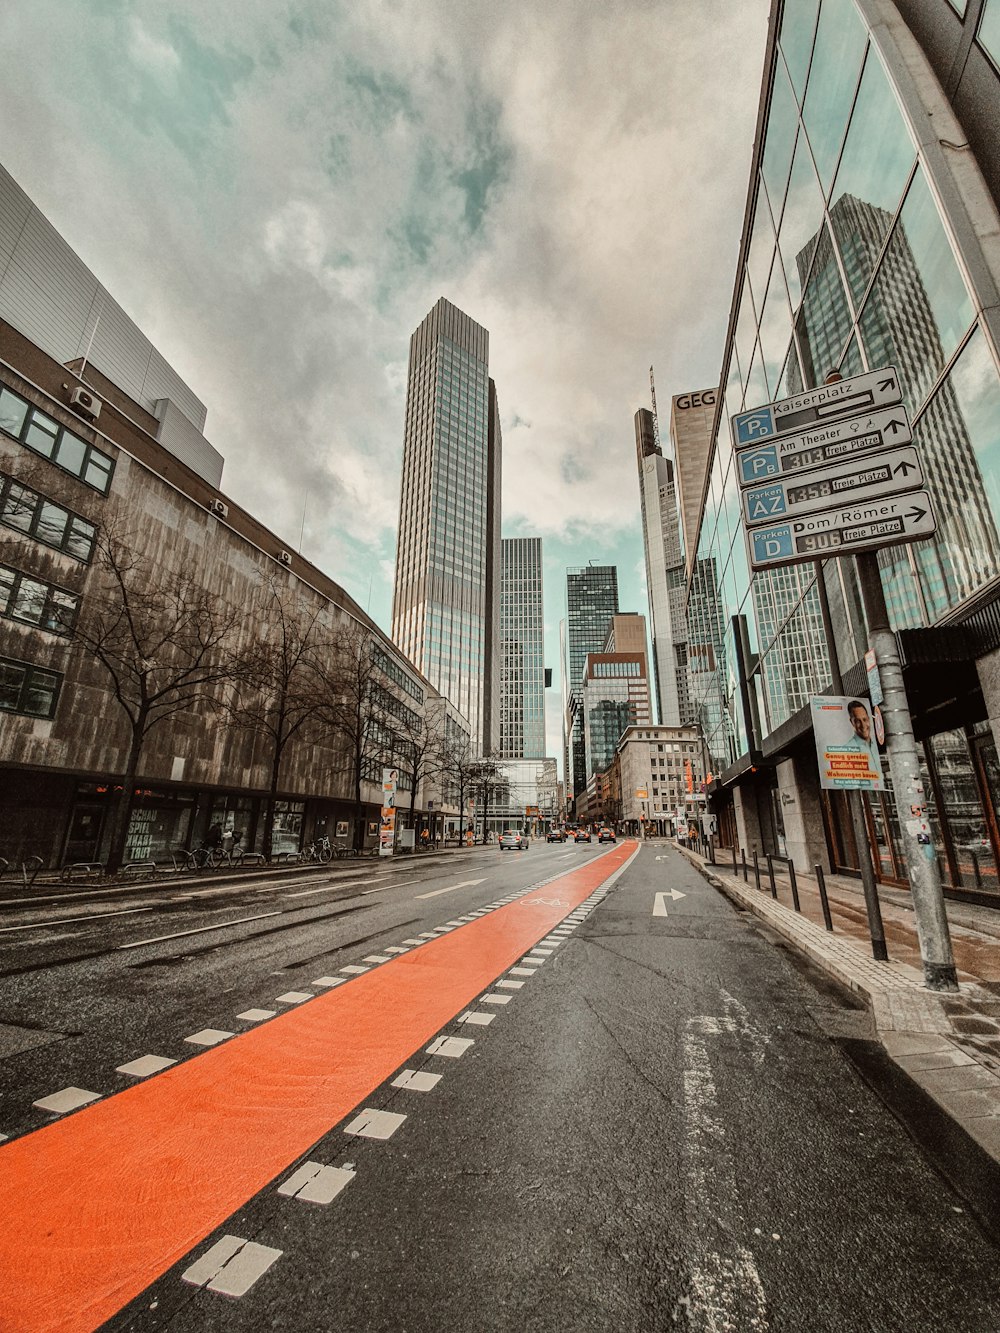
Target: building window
[(37, 603), (28, 689), (44, 435), (26, 511), (989, 30)]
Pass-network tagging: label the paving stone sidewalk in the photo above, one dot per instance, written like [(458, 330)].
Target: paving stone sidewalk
[(948, 1044)]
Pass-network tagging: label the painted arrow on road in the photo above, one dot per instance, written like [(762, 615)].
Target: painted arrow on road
[(659, 902)]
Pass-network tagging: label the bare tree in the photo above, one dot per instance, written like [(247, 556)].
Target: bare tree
[(418, 749), (353, 710), (490, 785), (458, 769), (279, 684), (162, 641)]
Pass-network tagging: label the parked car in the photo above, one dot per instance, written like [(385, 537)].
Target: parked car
[(583, 835), (512, 839), (606, 835), (555, 835)]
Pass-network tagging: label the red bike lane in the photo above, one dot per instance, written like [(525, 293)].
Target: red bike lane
[(100, 1204)]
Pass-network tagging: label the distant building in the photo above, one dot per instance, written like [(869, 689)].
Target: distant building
[(615, 697), (659, 775), (665, 582), (522, 650), (446, 599), (591, 601)]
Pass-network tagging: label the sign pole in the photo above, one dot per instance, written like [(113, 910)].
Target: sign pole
[(854, 800), (922, 867)]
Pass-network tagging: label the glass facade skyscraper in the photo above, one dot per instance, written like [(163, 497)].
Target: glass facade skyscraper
[(591, 601), (522, 651), (446, 605), (866, 243)]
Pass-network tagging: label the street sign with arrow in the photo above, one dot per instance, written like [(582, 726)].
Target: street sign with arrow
[(846, 530), (825, 444), (887, 473), (828, 402)]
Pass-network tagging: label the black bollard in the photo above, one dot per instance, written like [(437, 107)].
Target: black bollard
[(743, 858), (756, 869), (795, 888), (824, 900), (736, 869), (770, 875)]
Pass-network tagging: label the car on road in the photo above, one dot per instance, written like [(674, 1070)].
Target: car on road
[(555, 835), (583, 835), (511, 839), (606, 835)]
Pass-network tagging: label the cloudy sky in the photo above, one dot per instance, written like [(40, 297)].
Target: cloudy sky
[(277, 191)]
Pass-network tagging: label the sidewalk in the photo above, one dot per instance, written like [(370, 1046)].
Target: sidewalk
[(949, 1045)]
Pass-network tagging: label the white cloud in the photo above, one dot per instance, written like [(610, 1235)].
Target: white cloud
[(280, 192)]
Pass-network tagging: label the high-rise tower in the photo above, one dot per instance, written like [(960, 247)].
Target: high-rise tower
[(445, 605), (661, 540), (522, 655), (591, 601)]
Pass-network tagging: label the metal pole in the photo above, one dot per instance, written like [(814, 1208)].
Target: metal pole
[(756, 869), (795, 887), (735, 867), (824, 900), (876, 930), (770, 875), (977, 873), (743, 858), (922, 867)]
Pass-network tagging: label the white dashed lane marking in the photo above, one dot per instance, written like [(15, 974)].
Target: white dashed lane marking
[(477, 1019), (208, 1037), (256, 1015), (180, 934), (72, 920), (315, 1183), (231, 1266), (416, 1080), (452, 1047), (145, 1065), (522, 971), (66, 1100), (328, 981), (450, 888), (510, 985), (292, 997), (353, 969), (372, 1124)]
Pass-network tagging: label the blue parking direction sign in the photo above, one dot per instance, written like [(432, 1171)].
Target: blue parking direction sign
[(887, 473), (828, 402), (844, 530), (822, 445)]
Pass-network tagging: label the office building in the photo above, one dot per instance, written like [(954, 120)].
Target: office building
[(446, 599), (615, 696), (50, 296), (866, 242), (665, 584), (591, 601), (522, 651), (658, 776)]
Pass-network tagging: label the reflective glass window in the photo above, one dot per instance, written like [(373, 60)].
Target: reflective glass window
[(19, 508), (791, 375), (782, 124), (798, 25), (13, 410), (71, 453), (989, 30), (872, 175), (850, 362), (761, 250), (41, 433), (746, 332), (958, 436), (756, 383), (833, 78), (918, 309), (824, 319), (800, 221), (775, 328)]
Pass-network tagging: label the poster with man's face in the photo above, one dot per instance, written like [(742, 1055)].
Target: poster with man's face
[(846, 748)]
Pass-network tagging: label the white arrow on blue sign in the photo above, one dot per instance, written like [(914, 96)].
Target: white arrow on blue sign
[(825, 444), (829, 402), (846, 530), (887, 473)]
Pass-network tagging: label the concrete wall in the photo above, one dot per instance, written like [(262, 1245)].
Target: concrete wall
[(802, 813)]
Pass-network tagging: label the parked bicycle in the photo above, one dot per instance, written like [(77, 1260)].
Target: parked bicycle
[(318, 850)]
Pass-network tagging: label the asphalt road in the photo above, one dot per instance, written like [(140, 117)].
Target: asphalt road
[(654, 1126)]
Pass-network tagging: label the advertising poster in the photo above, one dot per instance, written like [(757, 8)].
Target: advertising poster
[(846, 748), (387, 820)]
